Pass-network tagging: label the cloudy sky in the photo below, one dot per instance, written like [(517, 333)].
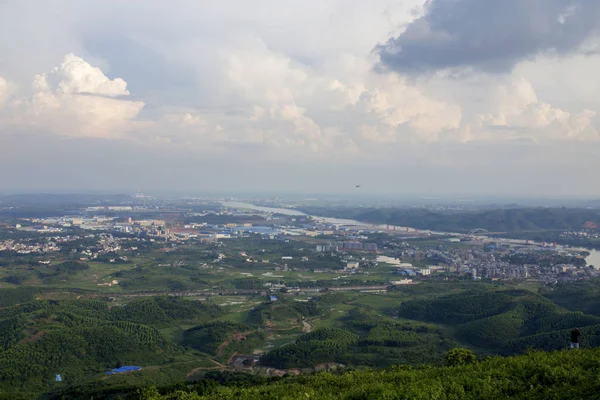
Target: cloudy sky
[(315, 96)]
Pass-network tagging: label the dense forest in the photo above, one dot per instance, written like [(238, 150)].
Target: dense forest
[(210, 338), (507, 321), (79, 339), (82, 339), (582, 296), (364, 338), (283, 310), (537, 375), (497, 220)]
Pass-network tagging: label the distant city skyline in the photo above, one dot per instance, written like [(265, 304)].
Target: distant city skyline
[(412, 98)]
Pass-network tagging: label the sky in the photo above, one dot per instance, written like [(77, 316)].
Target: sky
[(315, 96)]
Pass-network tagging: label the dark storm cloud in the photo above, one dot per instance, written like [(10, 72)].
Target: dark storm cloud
[(490, 35)]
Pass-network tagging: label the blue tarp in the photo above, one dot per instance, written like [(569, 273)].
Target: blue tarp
[(126, 368)]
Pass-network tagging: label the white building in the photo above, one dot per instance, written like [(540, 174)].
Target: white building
[(352, 265), (389, 260), (402, 282)]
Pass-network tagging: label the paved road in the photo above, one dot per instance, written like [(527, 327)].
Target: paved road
[(228, 292)]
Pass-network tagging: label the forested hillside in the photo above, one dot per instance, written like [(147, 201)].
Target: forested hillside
[(580, 296), (175, 339), (283, 310), (364, 338), (81, 339), (508, 321), (497, 220), (537, 375)]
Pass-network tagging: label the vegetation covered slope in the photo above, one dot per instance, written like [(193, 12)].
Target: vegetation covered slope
[(510, 320), (283, 310), (582, 296), (10, 297), (537, 375), (82, 339), (364, 338), (497, 220), (221, 338)]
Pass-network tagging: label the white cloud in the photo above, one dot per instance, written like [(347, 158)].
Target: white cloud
[(292, 81), (77, 99), (397, 103), (3, 91), (257, 74), (515, 104), (78, 76)]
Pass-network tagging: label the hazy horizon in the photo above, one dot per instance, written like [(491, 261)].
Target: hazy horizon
[(356, 198)]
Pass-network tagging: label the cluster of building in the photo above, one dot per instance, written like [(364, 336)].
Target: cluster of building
[(346, 246), (477, 259), (151, 227), (490, 262), (580, 234), (29, 246)]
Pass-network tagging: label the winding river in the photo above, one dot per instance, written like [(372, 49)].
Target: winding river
[(592, 259)]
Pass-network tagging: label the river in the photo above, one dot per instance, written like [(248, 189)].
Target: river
[(249, 206), (296, 213), (592, 259)]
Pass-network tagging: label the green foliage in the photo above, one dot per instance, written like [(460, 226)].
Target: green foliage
[(553, 340), (157, 310), (208, 337), (283, 310), (71, 267), (80, 339), (497, 320), (10, 297), (305, 354), (366, 339), (62, 271), (334, 334), (581, 296), (559, 375), (459, 356), (497, 220), (459, 308)]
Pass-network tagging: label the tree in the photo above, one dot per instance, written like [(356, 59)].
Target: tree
[(149, 393), (460, 356)]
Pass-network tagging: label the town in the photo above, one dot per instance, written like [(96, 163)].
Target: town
[(275, 248)]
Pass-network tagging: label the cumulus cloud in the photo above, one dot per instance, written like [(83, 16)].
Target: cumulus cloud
[(258, 74), (297, 104), (75, 75), (311, 106), (77, 99), (514, 107), (3, 91), (397, 103), (490, 35)]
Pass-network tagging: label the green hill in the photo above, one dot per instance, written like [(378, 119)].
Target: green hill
[(495, 220), (580, 296), (283, 310), (161, 310), (364, 339), (511, 320), (82, 339), (10, 297), (537, 375), (221, 338)]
